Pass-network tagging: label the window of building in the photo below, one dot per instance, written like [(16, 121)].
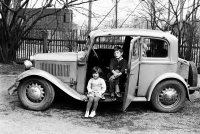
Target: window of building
[(64, 18)]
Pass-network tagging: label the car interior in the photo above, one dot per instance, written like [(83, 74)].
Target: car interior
[(103, 51), (156, 48), (101, 55)]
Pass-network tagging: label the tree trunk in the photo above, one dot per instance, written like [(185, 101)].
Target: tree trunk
[(8, 55)]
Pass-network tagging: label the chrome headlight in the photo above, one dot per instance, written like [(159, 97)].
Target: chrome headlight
[(32, 58), (28, 64)]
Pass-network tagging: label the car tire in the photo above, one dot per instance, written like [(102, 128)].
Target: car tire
[(193, 76), (36, 93), (168, 96)]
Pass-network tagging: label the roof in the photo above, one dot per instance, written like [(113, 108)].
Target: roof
[(30, 11), (171, 39), (132, 31)]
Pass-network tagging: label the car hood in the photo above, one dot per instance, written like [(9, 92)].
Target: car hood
[(66, 56)]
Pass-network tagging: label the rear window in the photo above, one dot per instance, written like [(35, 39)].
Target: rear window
[(108, 42), (154, 48)]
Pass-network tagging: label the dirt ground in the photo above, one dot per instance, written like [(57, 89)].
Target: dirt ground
[(66, 116)]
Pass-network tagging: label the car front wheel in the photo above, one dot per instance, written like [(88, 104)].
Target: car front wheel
[(168, 96), (36, 93)]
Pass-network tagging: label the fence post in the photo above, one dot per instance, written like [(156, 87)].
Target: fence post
[(45, 37), (76, 45)]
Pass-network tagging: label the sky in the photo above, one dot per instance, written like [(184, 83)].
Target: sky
[(101, 8)]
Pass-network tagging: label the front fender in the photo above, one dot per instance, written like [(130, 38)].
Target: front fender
[(169, 75), (52, 79)]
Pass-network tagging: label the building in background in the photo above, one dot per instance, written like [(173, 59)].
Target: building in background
[(62, 20), (58, 25)]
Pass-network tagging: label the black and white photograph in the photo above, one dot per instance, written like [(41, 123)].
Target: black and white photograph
[(99, 66)]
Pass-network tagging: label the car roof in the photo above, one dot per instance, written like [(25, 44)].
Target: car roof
[(132, 31)]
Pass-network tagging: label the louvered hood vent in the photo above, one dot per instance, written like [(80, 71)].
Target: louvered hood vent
[(56, 69)]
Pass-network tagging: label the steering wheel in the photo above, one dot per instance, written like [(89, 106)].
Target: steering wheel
[(95, 54)]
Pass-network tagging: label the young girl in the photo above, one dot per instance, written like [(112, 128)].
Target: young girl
[(96, 87)]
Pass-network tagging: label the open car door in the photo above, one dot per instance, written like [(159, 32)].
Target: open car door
[(133, 71)]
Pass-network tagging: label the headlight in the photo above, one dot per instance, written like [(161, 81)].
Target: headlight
[(32, 58), (28, 64)]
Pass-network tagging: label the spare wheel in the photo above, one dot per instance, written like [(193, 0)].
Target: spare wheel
[(193, 76)]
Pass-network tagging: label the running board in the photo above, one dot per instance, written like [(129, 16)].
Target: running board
[(139, 99), (133, 98)]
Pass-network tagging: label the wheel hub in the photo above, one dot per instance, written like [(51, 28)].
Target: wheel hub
[(168, 96), (35, 92)]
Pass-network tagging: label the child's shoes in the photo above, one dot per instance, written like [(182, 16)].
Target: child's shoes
[(86, 114), (103, 97), (92, 114), (113, 96), (118, 94)]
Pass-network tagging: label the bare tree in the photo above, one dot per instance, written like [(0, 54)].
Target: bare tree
[(165, 15), (16, 24)]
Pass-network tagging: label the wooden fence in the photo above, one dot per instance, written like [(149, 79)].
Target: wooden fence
[(195, 54), (46, 42), (43, 42)]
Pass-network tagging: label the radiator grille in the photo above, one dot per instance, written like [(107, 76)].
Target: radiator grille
[(56, 69)]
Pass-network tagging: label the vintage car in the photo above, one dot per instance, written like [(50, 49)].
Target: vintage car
[(155, 72)]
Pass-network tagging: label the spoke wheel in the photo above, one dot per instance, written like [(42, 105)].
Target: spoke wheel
[(193, 76), (36, 93), (168, 96)]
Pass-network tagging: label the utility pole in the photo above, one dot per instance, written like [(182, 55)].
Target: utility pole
[(90, 16), (168, 19), (182, 2), (116, 6)]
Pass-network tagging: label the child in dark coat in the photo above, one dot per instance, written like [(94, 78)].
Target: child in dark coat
[(117, 68)]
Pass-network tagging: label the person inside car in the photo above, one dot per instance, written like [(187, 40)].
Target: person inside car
[(117, 68)]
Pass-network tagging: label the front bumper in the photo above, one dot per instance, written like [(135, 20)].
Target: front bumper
[(13, 88)]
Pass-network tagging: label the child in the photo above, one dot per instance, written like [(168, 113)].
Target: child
[(117, 68), (96, 87)]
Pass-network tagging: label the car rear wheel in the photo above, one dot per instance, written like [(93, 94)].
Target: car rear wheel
[(36, 93), (168, 96)]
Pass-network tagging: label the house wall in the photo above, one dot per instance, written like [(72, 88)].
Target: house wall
[(61, 21)]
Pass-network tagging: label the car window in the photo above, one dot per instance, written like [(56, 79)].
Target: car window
[(135, 51), (108, 42), (154, 48)]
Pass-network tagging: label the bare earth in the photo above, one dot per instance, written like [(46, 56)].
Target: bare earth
[(66, 116)]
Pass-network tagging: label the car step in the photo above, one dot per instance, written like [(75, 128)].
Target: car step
[(132, 98)]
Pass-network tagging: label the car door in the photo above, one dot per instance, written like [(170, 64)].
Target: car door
[(133, 71)]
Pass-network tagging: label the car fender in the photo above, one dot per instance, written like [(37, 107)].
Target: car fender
[(165, 76), (54, 80)]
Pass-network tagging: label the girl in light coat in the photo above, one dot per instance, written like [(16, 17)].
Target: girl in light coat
[(96, 87)]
